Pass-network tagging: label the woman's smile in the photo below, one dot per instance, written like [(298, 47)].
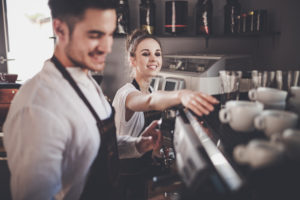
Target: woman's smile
[(152, 67)]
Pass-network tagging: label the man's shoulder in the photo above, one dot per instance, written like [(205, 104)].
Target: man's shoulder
[(42, 91), (35, 88)]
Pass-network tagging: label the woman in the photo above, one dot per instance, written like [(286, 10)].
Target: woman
[(145, 57), (135, 98)]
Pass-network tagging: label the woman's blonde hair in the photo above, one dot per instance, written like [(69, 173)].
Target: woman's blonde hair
[(134, 39)]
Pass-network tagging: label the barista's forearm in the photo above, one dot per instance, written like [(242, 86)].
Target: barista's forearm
[(162, 100)]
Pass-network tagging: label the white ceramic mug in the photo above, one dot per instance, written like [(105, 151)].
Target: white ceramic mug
[(291, 139), (259, 153), (267, 95), (294, 100), (275, 106), (240, 114), (295, 91), (275, 121)]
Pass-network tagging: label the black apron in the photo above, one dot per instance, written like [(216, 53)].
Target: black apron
[(135, 172), (102, 181), (138, 166), (150, 116)]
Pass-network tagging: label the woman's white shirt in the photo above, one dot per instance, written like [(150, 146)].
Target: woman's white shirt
[(135, 124)]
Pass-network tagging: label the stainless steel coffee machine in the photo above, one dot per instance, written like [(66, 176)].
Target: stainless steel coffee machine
[(200, 72), (199, 160)]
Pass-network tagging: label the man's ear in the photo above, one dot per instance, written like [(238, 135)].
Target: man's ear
[(60, 29)]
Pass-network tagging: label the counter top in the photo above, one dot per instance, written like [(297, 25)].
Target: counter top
[(10, 85)]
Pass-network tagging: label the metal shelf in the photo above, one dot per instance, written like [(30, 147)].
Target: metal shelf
[(255, 35)]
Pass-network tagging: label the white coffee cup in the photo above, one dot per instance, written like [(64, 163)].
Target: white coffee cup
[(275, 121), (291, 139), (294, 100), (294, 105), (240, 114), (267, 95), (295, 91), (259, 153), (276, 106)]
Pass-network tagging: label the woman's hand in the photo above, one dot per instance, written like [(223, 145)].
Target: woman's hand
[(150, 139), (198, 102)]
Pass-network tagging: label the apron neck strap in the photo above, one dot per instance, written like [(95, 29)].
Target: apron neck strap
[(136, 85), (69, 78)]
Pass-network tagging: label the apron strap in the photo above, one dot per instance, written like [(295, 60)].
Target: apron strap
[(136, 85), (69, 78), (104, 172)]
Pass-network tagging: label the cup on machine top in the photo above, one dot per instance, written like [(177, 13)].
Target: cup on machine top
[(240, 114), (272, 98), (275, 121)]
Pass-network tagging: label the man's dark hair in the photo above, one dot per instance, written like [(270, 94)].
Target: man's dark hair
[(71, 11)]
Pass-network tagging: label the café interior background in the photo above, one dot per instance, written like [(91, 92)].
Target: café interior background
[(268, 52), (278, 51)]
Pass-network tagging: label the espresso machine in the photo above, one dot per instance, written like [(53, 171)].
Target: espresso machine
[(204, 167), (200, 161), (200, 72), (201, 169)]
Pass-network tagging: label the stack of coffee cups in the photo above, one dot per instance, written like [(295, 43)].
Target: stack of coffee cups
[(275, 121), (240, 114), (294, 100), (259, 153), (290, 138), (272, 98)]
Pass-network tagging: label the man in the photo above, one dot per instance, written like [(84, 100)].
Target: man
[(57, 134)]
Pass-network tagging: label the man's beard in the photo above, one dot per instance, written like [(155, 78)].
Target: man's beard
[(74, 59), (70, 55), (76, 63)]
